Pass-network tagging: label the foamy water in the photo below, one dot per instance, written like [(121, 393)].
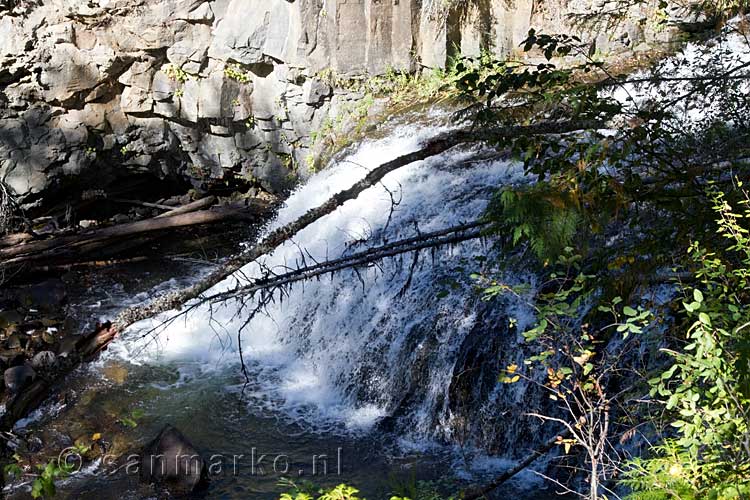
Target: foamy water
[(334, 352)]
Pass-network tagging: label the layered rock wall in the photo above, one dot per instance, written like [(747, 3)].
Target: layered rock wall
[(216, 91)]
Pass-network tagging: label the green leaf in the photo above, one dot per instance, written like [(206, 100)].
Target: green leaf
[(128, 422), (629, 311), (704, 318), (672, 401), (13, 469), (697, 296), (37, 488)]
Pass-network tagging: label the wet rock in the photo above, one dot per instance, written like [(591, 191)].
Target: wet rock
[(10, 317), (44, 360), (10, 357), (34, 444), (46, 296), (68, 345), (120, 219), (172, 461), (115, 372), (16, 341), (48, 336), (18, 377)]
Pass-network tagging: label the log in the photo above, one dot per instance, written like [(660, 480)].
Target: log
[(190, 207), (449, 236), (139, 203), (15, 239), (41, 249), (85, 264), (34, 395)]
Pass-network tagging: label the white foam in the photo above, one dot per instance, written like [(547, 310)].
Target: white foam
[(334, 352)]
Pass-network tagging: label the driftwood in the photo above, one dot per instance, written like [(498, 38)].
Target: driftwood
[(15, 239), (87, 241), (21, 406), (139, 203), (170, 211), (449, 236), (86, 264), (481, 492), (190, 207)]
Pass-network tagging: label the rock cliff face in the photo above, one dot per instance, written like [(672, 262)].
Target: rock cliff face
[(219, 91)]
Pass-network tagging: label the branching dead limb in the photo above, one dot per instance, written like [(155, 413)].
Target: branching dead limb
[(443, 237), (271, 283)]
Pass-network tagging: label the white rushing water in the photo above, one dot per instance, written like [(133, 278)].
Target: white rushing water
[(686, 82), (344, 351)]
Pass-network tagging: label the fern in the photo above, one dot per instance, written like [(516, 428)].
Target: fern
[(548, 219)]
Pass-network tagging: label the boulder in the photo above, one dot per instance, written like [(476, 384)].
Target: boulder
[(16, 341), (315, 92), (43, 360), (171, 461), (18, 377)]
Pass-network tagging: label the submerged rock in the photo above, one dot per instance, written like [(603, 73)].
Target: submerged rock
[(18, 377), (172, 461)]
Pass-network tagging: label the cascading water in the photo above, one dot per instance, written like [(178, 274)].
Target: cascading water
[(363, 356), (380, 344), (395, 365)]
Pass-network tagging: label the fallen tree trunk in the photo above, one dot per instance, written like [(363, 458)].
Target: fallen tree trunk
[(139, 203), (93, 239), (190, 207), (15, 239), (480, 492), (440, 144), (434, 239), (61, 268)]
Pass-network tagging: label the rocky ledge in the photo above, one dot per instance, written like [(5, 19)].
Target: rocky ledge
[(210, 94)]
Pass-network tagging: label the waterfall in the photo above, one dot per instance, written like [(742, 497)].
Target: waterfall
[(383, 345)]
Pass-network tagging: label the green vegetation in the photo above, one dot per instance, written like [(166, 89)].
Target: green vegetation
[(175, 73), (654, 182), (399, 86), (43, 483), (308, 491), (411, 490), (706, 390), (236, 73), (131, 419), (610, 212)]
